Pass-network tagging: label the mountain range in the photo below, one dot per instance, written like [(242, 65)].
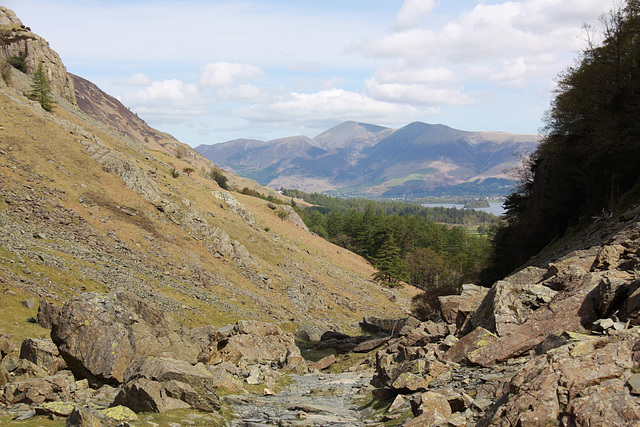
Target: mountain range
[(361, 159)]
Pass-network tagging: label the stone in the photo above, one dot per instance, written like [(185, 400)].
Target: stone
[(608, 257), (475, 341), (252, 343), (399, 404), (60, 409), (59, 387), (88, 417), (120, 414), (378, 324), (508, 305), (6, 345), (47, 314), (160, 384), (368, 345), (99, 335), (408, 382), (430, 408), (235, 206), (323, 363), (572, 311), (634, 384), (42, 352), (5, 377), (30, 303), (586, 378)]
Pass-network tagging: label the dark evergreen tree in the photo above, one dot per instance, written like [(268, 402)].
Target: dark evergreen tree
[(41, 89)]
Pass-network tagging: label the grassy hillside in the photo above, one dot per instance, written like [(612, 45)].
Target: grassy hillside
[(70, 224)]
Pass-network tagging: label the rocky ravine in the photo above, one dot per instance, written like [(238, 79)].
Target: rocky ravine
[(553, 344)]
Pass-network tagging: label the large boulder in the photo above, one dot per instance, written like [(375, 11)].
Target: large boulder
[(160, 384), (582, 383), (510, 302), (573, 310), (42, 352), (250, 343), (59, 387), (99, 335)]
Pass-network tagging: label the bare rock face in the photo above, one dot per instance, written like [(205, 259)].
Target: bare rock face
[(587, 378), (292, 216), (254, 343), (19, 40), (100, 335)]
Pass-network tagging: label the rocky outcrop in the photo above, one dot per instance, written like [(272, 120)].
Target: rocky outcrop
[(289, 214), (235, 206), (16, 39), (99, 335), (249, 343), (583, 383)]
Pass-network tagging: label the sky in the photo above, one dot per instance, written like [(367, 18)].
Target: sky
[(212, 71)]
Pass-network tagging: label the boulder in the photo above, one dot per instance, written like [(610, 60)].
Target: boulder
[(582, 383), (88, 417), (323, 363), (509, 303), (59, 387), (99, 335), (6, 345), (235, 206), (431, 409), (42, 352), (47, 314), (159, 384), (573, 310), (473, 342), (378, 324), (250, 343)]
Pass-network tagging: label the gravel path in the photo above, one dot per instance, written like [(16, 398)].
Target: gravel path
[(311, 400)]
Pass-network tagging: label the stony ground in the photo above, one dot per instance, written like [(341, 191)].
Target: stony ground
[(314, 399)]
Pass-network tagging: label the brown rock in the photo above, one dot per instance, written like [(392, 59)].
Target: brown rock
[(471, 343), (408, 382), (430, 409), (570, 311), (323, 363), (5, 377), (449, 305), (587, 378), (36, 391), (254, 343), (368, 345), (88, 417), (42, 352), (176, 379), (144, 395), (6, 345), (47, 314)]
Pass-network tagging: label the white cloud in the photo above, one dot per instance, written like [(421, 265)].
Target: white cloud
[(325, 105), (416, 94), (412, 12), (219, 74), (246, 93), (169, 100)]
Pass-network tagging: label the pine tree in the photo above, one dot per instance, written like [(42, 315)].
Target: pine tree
[(392, 269), (41, 89)]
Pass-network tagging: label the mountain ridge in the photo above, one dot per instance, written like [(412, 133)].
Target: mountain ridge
[(378, 161)]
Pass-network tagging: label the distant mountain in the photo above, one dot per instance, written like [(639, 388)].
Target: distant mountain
[(363, 159)]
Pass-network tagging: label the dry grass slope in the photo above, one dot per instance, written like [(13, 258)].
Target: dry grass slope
[(68, 226)]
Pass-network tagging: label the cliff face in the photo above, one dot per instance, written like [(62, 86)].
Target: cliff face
[(16, 39)]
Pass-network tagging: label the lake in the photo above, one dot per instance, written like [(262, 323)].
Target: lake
[(494, 207)]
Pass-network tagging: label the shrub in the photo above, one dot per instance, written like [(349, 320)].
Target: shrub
[(19, 62), (426, 306), (5, 72), (217, 175)]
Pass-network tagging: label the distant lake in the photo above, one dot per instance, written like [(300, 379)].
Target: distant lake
[(494, 207)]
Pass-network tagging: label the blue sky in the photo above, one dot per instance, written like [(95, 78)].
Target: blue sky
[(212, 71)]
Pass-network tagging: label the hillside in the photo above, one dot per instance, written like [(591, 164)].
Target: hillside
[(88, 202), (368, 160)]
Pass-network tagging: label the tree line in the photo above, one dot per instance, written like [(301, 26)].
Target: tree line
[(586, 167), (401, 240)]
